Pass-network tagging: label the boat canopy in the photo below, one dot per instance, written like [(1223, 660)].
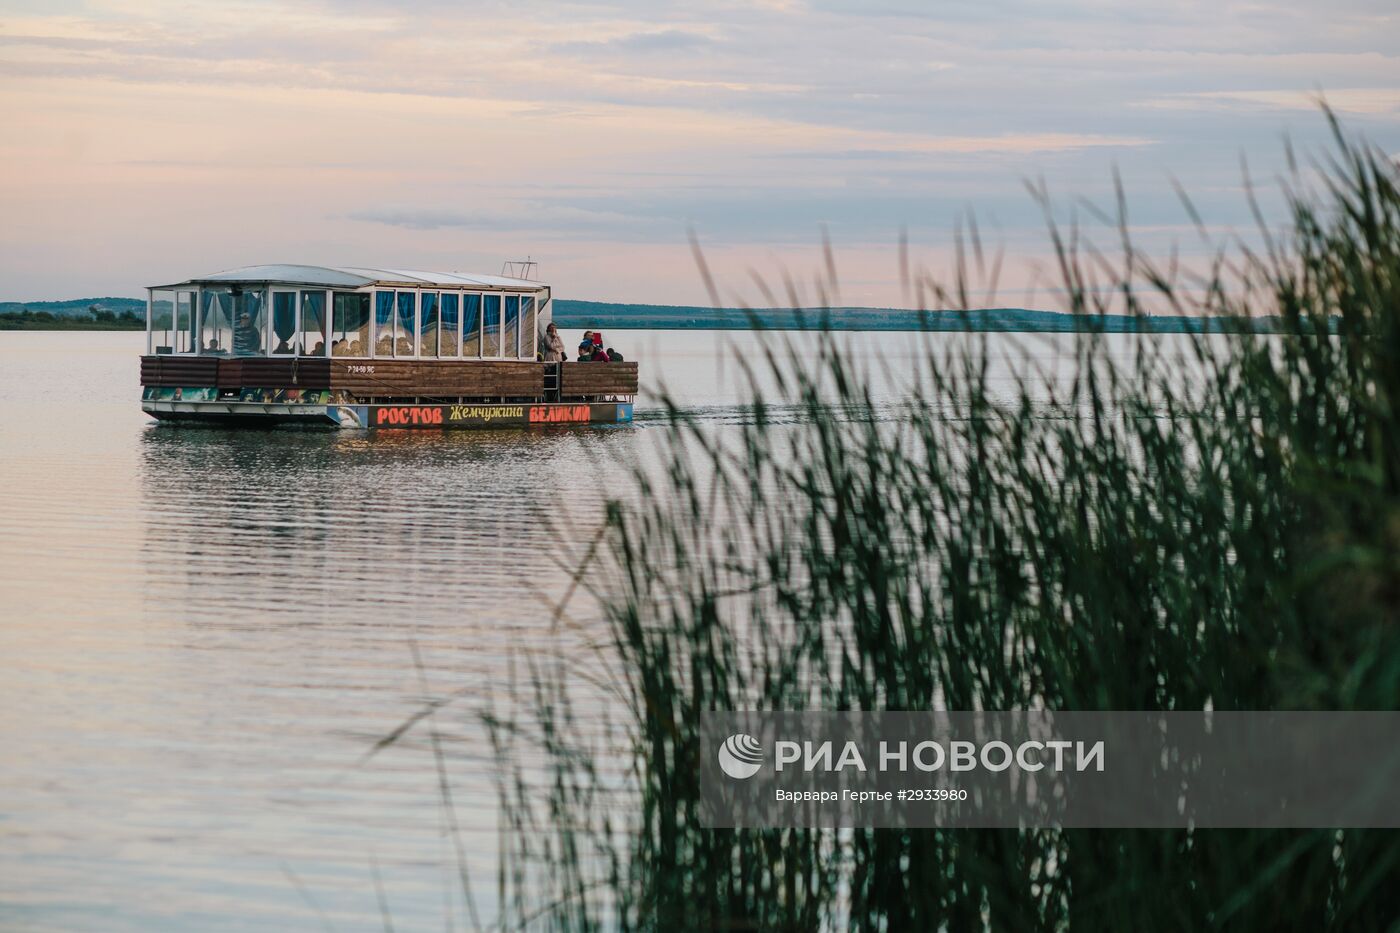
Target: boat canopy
[(348, 311), (354, 277)]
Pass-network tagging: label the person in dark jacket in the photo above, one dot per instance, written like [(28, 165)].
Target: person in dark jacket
[(614, 356), (246, 338)]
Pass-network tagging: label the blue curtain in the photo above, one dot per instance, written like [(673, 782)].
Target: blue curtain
[(427, 323), (471, 325), (284, 320), (384, 323), (407, 332), (451, 342), (216, 320), (491, 344), (313, 321)]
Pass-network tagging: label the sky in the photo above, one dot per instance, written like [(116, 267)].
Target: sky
[(148, 141)]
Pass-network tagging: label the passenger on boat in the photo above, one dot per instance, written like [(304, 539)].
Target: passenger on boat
[(585, 351), (554, 345), (599, 354), (319, 349), (614, 356), (246, 337)]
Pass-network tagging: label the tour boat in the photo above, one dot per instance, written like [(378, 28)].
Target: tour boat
[(367, 348)]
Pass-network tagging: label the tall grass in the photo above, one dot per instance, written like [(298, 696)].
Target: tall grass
[(1212, 524)]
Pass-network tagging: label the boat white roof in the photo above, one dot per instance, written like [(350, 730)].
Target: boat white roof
[(353, 277)]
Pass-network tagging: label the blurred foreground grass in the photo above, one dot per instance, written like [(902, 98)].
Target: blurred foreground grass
[(1124, 538)]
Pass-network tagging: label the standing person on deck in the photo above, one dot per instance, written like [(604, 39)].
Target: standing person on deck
[(554, 345)]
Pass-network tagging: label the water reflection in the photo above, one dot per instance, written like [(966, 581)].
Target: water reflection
[(301, 522), (206, 629), (290, 570)]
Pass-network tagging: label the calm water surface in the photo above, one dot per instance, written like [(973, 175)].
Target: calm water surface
[(203, 632)]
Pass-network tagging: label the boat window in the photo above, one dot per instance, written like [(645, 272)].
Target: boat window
[(405, 333), (428, 324), (284, 323), (529, 336), (350, 324), (450, 344), (312, 339), (216, 321), (249, 321), (162, 322), (383, 323), (491, 326), (471, 325), (511, 343), (186, 337)]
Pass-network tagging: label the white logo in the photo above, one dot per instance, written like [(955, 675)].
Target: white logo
[(740, 756)]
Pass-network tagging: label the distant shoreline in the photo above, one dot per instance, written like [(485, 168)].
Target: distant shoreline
[(591, 314), (9, 323), (103, 314)]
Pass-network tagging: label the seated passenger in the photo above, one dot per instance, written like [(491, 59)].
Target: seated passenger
[(585, 351), (614, 356), (283, 346), (319, 349), (355, 349), (385, 347)]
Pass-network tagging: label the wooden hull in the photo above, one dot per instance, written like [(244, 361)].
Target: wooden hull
[(456, 380), (385, 394), (233, 413)]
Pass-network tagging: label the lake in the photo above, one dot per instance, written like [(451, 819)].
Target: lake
[(204, 632)]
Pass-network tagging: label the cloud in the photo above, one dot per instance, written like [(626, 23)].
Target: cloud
[(662, 41), (526, 215), (1369, 101)]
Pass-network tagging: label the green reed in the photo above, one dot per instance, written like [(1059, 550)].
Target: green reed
[(1119, 538)]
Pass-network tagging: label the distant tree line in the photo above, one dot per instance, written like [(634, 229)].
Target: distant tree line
[(98, 318)]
